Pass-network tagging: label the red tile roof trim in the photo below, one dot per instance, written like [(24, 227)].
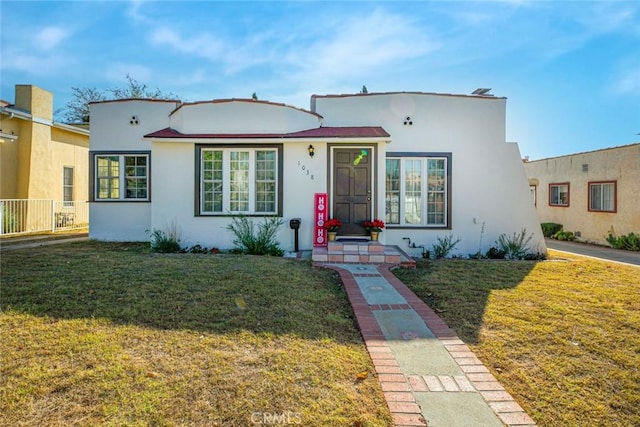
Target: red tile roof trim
[(249, 101), (347, 95), (321, 132)]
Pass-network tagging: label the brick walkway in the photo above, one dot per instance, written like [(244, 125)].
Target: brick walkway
[(428, 375)]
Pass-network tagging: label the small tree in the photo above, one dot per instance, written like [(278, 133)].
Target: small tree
[(77, 110), (364, 89)]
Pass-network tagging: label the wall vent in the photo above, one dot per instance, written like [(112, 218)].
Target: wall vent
[(585, 167)]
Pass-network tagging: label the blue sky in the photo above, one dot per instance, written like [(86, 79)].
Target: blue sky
[(570, 69)]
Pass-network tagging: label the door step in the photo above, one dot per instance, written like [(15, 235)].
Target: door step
[(363, 252)]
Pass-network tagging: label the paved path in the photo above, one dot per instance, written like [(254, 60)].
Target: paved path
[(595, 251), (11, 243), (428, 375)]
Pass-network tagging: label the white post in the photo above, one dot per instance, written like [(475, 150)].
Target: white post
[(53, 216)]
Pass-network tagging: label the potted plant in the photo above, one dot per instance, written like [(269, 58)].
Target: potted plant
[(332, 225), (374, 227)]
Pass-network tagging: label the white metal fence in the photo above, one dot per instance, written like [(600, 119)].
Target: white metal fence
[(20, 216)]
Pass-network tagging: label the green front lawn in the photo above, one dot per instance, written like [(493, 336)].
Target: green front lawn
[(563, 336), (111, 334)]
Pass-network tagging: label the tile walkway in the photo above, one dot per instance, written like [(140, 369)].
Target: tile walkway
[(429, 377)]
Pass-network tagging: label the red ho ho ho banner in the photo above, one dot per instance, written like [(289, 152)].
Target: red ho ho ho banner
[(321, 209)]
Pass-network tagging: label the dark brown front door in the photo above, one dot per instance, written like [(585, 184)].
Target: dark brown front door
[(351, 191)]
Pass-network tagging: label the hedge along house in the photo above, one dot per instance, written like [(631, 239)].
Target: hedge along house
[(428, 164)]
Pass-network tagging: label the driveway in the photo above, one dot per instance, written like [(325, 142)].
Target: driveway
[(595, 251)]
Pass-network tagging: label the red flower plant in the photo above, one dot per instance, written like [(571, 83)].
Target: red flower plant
[(375, 225), (332, 224)]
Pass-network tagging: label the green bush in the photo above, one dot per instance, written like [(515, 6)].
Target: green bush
[(629, 242), (550, 228), (444, 245), (515, 246), (564, 235), (495, 253), (166, 241), (260, 242)]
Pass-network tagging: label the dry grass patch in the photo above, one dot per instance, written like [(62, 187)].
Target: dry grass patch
[(563, 336), (110, 334)]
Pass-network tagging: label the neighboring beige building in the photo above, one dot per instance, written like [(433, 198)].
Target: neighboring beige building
[(40, 159), (592, 194)]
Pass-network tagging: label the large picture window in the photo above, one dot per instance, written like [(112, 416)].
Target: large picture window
[(239, 180), (121, 177), (559, 194), (417, 190), (602, 196)]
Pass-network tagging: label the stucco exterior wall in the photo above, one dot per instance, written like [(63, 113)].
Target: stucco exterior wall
[(118, 127), (32, 165), (9, 159), (112, 128), (619, 164), (174, 195), (490, 194), (244, 116)]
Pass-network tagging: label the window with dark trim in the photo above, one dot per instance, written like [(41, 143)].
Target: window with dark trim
[(559, 194), (602, 196), (239, 179), (418, 189), (120, 176)]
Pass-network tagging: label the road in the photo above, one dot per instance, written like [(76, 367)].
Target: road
[(595, 251)]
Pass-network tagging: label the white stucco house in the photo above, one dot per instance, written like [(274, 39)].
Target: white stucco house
[(427, 164)]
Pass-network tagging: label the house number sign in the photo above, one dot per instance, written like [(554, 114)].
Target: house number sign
[(305, 170), (321, 209)]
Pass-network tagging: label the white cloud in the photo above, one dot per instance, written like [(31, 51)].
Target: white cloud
[(50, 37), (358, 46), (336, 49), (33, 64)]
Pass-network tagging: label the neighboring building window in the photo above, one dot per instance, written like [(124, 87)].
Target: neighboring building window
[(559, 194), (534, 194), (239, 180), (67, 185), (122, 177), (602, 196), (417, 190)]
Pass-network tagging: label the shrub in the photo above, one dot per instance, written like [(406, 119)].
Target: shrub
[(252, 242), (564, 235), (166, 241), (444, 245), (197, 249), (629, 242), (495, 253), (535, 256), (550, 228), (515, 246)]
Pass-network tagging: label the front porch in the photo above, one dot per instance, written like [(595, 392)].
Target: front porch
[(361, 251)]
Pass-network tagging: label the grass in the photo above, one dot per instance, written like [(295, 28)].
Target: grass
[(111, 334), (562, 336)]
